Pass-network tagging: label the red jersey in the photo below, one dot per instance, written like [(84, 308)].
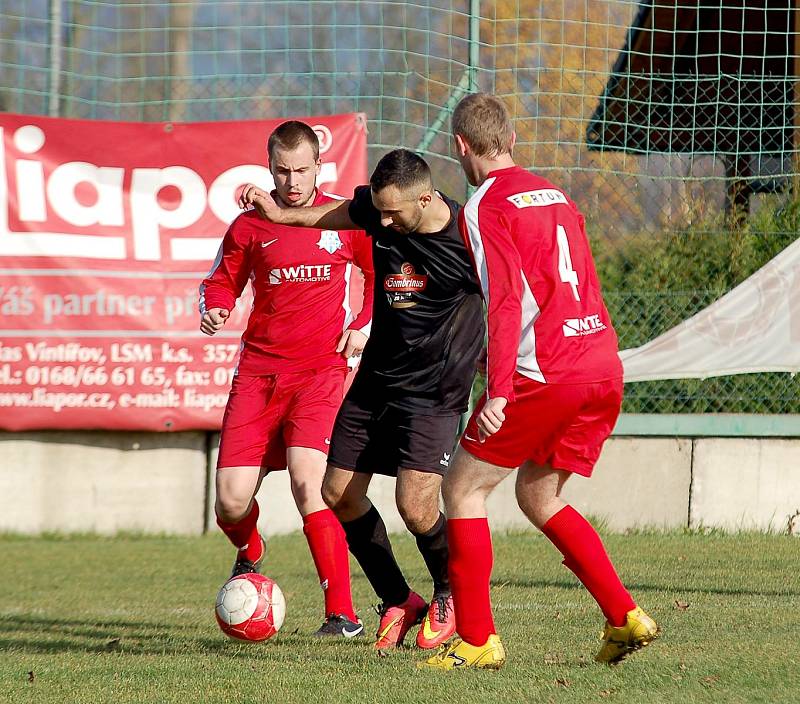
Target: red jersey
[(301, 291), (546, 316)]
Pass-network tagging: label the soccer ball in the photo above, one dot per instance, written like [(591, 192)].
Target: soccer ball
[(250, 607)]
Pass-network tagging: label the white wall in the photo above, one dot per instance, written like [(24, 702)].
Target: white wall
[(109, 482), (102, 482)]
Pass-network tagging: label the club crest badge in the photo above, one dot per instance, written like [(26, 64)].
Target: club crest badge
[(329, 241)]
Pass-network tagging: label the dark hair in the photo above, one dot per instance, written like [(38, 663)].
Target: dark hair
[(291, 135), (403, 169)]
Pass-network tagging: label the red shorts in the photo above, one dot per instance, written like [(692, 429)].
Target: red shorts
[(561, 425), (267, 414)]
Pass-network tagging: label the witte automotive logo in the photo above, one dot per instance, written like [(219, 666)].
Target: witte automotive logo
[(305, 273), (577, 327)]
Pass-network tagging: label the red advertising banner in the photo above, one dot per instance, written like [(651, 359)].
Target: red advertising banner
[(106, 230)]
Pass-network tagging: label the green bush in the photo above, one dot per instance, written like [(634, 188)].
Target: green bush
[(653, 281)]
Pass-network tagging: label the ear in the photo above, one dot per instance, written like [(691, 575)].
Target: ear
[(425, 199), (318, 166), (461, 145), (513, 141)]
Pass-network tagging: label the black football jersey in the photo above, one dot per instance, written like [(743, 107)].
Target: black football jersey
[(427, 316)]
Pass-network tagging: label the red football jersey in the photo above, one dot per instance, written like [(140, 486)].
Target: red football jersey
[(301, 291), (546, 316)]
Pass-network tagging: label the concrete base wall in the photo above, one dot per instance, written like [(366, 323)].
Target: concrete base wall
[(110, 482), (102, 482), (745, 484), (636, 484)]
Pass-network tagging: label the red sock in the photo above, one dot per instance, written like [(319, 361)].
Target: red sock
[(585, 555), (470, 567), (244, 534), (328, 546)]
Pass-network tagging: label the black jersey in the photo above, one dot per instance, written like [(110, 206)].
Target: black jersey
[(427, 316)]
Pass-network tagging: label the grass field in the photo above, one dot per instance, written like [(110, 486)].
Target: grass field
[(130, 619)]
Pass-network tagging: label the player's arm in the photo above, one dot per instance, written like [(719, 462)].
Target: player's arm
[(501, 282), (354, 339), (328, 216), (225, 282)]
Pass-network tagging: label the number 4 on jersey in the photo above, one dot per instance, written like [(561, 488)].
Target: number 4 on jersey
[(565, 271)]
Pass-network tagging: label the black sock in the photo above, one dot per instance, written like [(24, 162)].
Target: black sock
[(433, 547), (367, 540)]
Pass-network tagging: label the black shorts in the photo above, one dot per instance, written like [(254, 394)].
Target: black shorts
[(377, 439)]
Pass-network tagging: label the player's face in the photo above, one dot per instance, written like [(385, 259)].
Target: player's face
[(401, 212), (295, 173)]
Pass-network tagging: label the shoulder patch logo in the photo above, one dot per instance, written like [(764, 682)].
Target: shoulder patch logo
[(537, 199), (329, 241)]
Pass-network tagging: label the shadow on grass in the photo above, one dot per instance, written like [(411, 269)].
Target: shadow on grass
[(682, 588), (44, 635)]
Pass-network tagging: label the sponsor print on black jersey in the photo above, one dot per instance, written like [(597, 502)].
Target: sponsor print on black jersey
[(400, 288)]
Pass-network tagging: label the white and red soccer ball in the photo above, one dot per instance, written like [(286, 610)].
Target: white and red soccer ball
[(250, 607)]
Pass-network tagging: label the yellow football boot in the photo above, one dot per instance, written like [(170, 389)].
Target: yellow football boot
[(639, 630), (460, 655)]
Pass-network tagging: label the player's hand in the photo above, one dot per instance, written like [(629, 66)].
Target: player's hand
[(491, 417), (214, 320), (262, 201), (351, 343)]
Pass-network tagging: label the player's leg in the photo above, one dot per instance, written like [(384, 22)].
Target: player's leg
[(538, 493), (538, 489), (345, 491), (357, 448), (247, 429), (467, 485), (237, 514), (417, 496), (326, 541), (425, 446), (539, 496), (315, 399)]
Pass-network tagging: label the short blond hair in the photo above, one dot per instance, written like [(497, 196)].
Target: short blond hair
[(483, 121)]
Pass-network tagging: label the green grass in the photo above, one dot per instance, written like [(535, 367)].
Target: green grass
[(130, 619)]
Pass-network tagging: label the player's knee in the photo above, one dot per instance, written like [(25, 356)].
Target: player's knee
[(418, 516), (449, 492), (333, 497), (303, 492), (231, 509), (531, 508)]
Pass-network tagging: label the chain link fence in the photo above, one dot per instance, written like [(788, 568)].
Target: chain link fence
[(673, 128)]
